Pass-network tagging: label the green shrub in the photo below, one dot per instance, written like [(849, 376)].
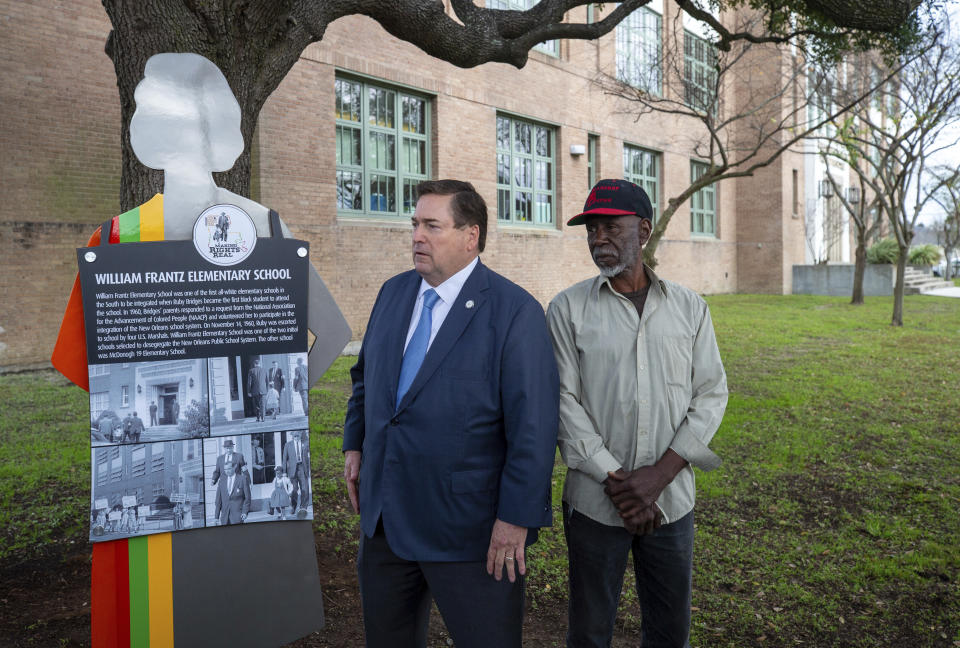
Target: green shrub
[(885, 251), (925, 255), (196, 420)]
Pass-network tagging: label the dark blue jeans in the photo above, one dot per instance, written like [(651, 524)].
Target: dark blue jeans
[(663, 564)]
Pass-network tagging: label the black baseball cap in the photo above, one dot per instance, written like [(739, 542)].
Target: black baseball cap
[(614, 198)]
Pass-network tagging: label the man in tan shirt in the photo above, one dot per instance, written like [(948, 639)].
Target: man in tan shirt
[(642, 392)]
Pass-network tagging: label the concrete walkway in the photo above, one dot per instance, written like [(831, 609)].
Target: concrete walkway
[(944, 292)]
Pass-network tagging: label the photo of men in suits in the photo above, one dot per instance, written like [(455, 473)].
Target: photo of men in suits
[(296, 463), (233, 497), (450, 436), (257, 387), (229, 458)]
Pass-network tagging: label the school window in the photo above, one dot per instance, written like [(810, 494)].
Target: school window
[(551, 47), (703, 204), (157, 490), (525, 172), (699, 73), (116, 469), (639, 38), (99, 370), (99, 401), (156, 463), (101, 472), (138, 461), (593, 142), (124, 396), (382, 148), (642, 168)]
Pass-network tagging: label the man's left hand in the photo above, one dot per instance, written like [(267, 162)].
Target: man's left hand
[(634, 490), (507, 542)]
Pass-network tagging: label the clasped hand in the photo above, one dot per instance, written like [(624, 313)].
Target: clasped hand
[(635, 494)]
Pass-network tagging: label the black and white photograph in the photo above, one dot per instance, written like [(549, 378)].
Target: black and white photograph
[(258, 393), (260, 477), (140, 402), (143, 488)]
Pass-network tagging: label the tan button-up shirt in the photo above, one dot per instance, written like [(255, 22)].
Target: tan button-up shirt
[(631, 388)]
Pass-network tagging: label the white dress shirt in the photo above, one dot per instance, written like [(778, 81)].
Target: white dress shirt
[(448, 292)]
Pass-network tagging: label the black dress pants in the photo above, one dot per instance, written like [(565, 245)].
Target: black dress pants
[(478, 611)]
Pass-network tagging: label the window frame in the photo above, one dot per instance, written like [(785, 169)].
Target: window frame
[(697, 200), (691, 65), (632, 46), (404, 204), (644, 180), (512, 187), (593, 161)]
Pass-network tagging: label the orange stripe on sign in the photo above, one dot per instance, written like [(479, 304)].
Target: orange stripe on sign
[(151, 219), (160, 550)]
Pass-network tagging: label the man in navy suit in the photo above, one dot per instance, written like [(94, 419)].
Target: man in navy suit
[(450, 436)]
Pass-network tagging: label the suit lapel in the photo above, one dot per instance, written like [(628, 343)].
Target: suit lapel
[(401, 308), (456, 322)]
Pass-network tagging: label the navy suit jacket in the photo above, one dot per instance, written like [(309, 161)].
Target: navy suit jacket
[(473, 439)]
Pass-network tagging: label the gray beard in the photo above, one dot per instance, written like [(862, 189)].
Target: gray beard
[(611, 271)]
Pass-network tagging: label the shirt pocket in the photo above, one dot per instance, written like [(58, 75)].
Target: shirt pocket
[(676, 354)]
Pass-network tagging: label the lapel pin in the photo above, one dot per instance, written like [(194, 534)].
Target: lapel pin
[(469, 303)]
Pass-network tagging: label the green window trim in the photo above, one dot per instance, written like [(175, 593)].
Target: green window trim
[(639, 43), (526, 172), (642, 168), (382, 148), (593, 142), (703, 204), (699, 73)]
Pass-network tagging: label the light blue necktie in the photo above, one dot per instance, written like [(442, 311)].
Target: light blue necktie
[(417, 349)]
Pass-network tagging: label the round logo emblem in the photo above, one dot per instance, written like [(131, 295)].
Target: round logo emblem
[(224, 234)]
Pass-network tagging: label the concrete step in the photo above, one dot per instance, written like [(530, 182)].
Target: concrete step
[(920, 287)]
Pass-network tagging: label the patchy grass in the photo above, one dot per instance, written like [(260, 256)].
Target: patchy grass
[(832, 522)]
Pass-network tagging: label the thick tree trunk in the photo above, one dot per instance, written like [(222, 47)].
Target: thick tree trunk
[(860, 267), (253, 43), (897, 319), (948, 269)]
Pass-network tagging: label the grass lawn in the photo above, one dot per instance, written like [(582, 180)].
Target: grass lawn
[(833, 521)]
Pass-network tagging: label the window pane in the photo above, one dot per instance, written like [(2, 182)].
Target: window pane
[(414, 115), (543, 142), (503, 168), (503, 133), (348, 100), (409, 196), (523, 206), (503, 204), (544, 208), (522, 176), (522, 137), (382, 193), (414, 156), (381, 153), (348, 146), (380, 107), (349, 190)]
